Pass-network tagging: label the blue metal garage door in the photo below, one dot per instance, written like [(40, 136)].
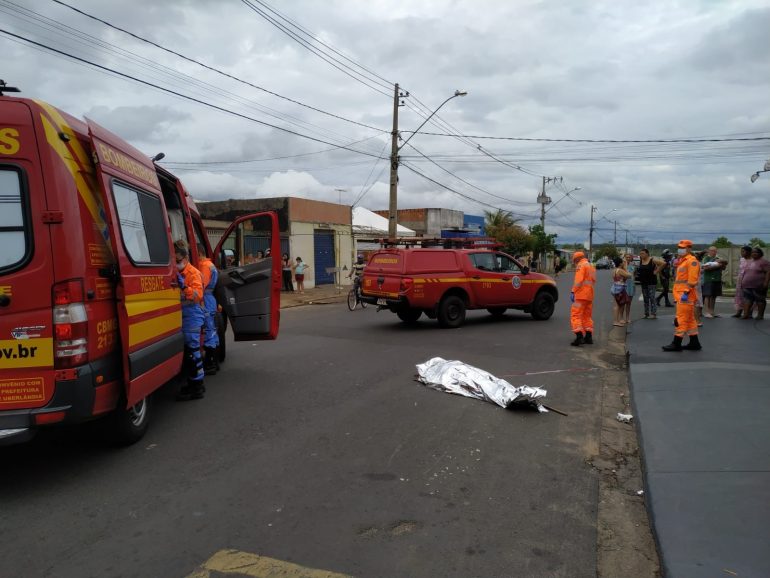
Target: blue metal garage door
[(324, 256)]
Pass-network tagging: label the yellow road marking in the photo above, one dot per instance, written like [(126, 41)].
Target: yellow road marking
[(245, 564)]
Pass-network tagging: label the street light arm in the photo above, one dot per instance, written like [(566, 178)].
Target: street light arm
[(567, 194), (455, 95)]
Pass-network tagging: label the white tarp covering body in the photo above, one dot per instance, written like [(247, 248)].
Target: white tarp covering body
[(463, 379)]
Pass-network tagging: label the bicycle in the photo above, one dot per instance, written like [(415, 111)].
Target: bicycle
[(354, 298)]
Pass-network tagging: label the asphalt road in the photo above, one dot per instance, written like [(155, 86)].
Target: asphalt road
[(320, 449)]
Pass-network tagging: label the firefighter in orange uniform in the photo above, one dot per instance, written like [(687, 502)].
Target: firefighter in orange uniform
[(209, 278), (193, 318), (685, 296), (582, 298)]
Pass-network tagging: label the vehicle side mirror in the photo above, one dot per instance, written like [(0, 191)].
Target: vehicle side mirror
[(525, 270)]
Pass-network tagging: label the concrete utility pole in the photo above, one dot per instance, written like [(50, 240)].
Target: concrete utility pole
[(591, 235), (393, 205), (615, 234), (544, 200), (394, 158)]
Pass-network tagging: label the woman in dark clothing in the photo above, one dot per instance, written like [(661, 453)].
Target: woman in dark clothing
[(647, 273), (286, 273)]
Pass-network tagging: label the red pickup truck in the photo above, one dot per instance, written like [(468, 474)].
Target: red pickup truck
[(445, 283)]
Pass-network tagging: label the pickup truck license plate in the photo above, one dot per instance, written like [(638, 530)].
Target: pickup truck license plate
[(382, 301)]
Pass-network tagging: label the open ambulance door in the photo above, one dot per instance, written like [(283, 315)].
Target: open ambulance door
[(149, 312), (250, 292)]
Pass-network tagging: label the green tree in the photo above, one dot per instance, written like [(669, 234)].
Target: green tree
[(722, 242), (757, 242), (501, 226), (542, 242), (495, 220), (606, 250)]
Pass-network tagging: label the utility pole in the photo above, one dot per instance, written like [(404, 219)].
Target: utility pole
[(615, 235), (544, 200), (393, 206), (591, 236), (626, 240)]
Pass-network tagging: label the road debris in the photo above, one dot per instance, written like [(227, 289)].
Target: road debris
[(624, 417), (462, 379)]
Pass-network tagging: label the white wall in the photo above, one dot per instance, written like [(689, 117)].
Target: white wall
[(301, 245)]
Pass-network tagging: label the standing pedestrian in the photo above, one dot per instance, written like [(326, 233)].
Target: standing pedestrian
[(556, 265), (665, 278), (745, 257), (756, 279), (286, 267), (193, 318), (582, 298), (685, 294), (647, 273), (618, 290), (299, 274), (209, 278), (630, 287), (712, 266)]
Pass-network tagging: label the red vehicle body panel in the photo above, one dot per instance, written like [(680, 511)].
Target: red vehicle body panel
[(90, 313)]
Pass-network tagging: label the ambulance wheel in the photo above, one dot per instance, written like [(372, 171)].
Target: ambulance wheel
[(409, 315), (451, 312), (543, 306), (497, 312), (221, 331), (128, 425)]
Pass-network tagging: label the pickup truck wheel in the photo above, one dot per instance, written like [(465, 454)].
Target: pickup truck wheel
[(409, 315), (451, 312), (497, 312), (128, 425), (543, 306)]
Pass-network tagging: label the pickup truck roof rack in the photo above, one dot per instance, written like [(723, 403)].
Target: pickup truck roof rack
[(437, 242)]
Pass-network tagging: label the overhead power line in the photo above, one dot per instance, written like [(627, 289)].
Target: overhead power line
[(211, 68), (375, 85), (613, 141), (179, 94)]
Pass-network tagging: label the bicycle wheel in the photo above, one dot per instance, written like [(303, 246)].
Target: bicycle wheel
[(362, 302), (352, 299)]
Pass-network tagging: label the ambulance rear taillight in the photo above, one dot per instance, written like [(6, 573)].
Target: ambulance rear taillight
[(70, 324), (406, 285)]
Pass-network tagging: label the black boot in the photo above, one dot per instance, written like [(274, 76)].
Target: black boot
[(210, 363), (694, 344), (197, 389), (185, 393), (578, 340), (589, 338), (675, 345)]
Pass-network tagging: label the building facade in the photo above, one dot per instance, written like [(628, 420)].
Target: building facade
[(318, 232)]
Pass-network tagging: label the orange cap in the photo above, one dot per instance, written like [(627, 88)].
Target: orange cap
[(685, 243), (578, 255)]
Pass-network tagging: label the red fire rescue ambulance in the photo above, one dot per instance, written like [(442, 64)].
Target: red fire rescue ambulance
[(90, 314)]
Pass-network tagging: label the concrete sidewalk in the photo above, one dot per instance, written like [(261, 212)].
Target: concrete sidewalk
[(317, 295), (702, 419)]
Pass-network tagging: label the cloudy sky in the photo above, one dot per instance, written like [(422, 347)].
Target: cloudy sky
[(565, 71)]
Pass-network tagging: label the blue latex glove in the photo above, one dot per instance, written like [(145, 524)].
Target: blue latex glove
[(685, 298), (572, 297), (180, 280)]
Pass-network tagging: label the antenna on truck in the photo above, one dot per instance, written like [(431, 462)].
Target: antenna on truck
[(5, 88)]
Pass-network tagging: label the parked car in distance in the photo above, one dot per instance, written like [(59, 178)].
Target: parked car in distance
[(603, 263)]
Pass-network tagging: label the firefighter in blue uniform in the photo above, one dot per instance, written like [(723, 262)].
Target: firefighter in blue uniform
[(193, 318), (209, 277)]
